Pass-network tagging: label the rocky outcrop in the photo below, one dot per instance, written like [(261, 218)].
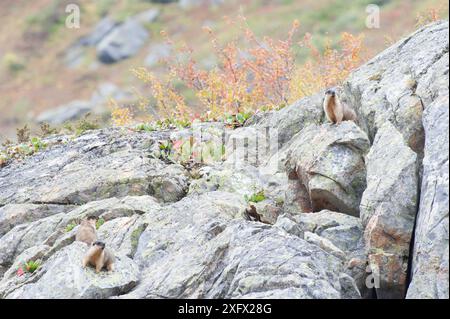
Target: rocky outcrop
[(292, 119), (429, 269), (328, 167), (388, 209), (396, 84), (104, 164), (100, 30), (12, 215), (198, 249)]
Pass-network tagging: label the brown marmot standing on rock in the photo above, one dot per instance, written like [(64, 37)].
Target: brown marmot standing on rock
[(99, 257), (87, 231), (335, 110)]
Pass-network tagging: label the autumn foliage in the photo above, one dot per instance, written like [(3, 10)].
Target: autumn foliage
[(251, 75)]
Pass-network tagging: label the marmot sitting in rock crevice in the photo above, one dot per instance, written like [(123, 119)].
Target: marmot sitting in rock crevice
[(87, 232), (335, 110)]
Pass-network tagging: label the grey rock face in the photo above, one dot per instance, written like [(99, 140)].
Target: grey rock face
[(394, 85), (341, 234), (197, 249), (12, 215), (430, 269), (122, 42), (327, 164), (292, 119), (388, 209), (110, 163)]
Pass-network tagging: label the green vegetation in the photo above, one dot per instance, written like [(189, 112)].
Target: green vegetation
[(13, 63), (48, 20), (165, 152), (70, 226), (135, 235), (256, 197), (31, 266), (99, 222), (82, 126), (47, 130), (146, 127), (26, 146)]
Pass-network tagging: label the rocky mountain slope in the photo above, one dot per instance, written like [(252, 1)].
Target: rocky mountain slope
[(348, 211)]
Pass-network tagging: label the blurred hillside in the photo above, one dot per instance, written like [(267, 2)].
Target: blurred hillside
[(45, 65)]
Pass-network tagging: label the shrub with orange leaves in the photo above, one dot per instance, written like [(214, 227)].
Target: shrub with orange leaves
[(259, 75), (328, 68), (120, 116), (428, 16)]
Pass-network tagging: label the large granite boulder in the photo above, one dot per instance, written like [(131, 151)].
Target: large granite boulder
[(430, 268), (327, 164), (388, 209)]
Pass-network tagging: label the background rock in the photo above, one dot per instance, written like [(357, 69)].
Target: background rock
[(64, 113), (123, 41)]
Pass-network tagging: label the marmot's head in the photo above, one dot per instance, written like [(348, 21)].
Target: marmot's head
[(99, 244), (330, 92), (92, 220)]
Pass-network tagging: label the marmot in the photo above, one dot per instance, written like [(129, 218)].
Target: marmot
[(99, 257), (335, 110), (87, 231)]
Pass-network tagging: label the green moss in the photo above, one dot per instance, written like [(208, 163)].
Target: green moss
[(99, 222), (135, 235)]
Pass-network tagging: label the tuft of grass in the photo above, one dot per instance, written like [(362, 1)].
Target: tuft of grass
[(13, 63), (99, 222), (47, 130), (31, 266), (146, 127), (256, 197), (83, 125), (86, 124), (23, 134), (70, 226)]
